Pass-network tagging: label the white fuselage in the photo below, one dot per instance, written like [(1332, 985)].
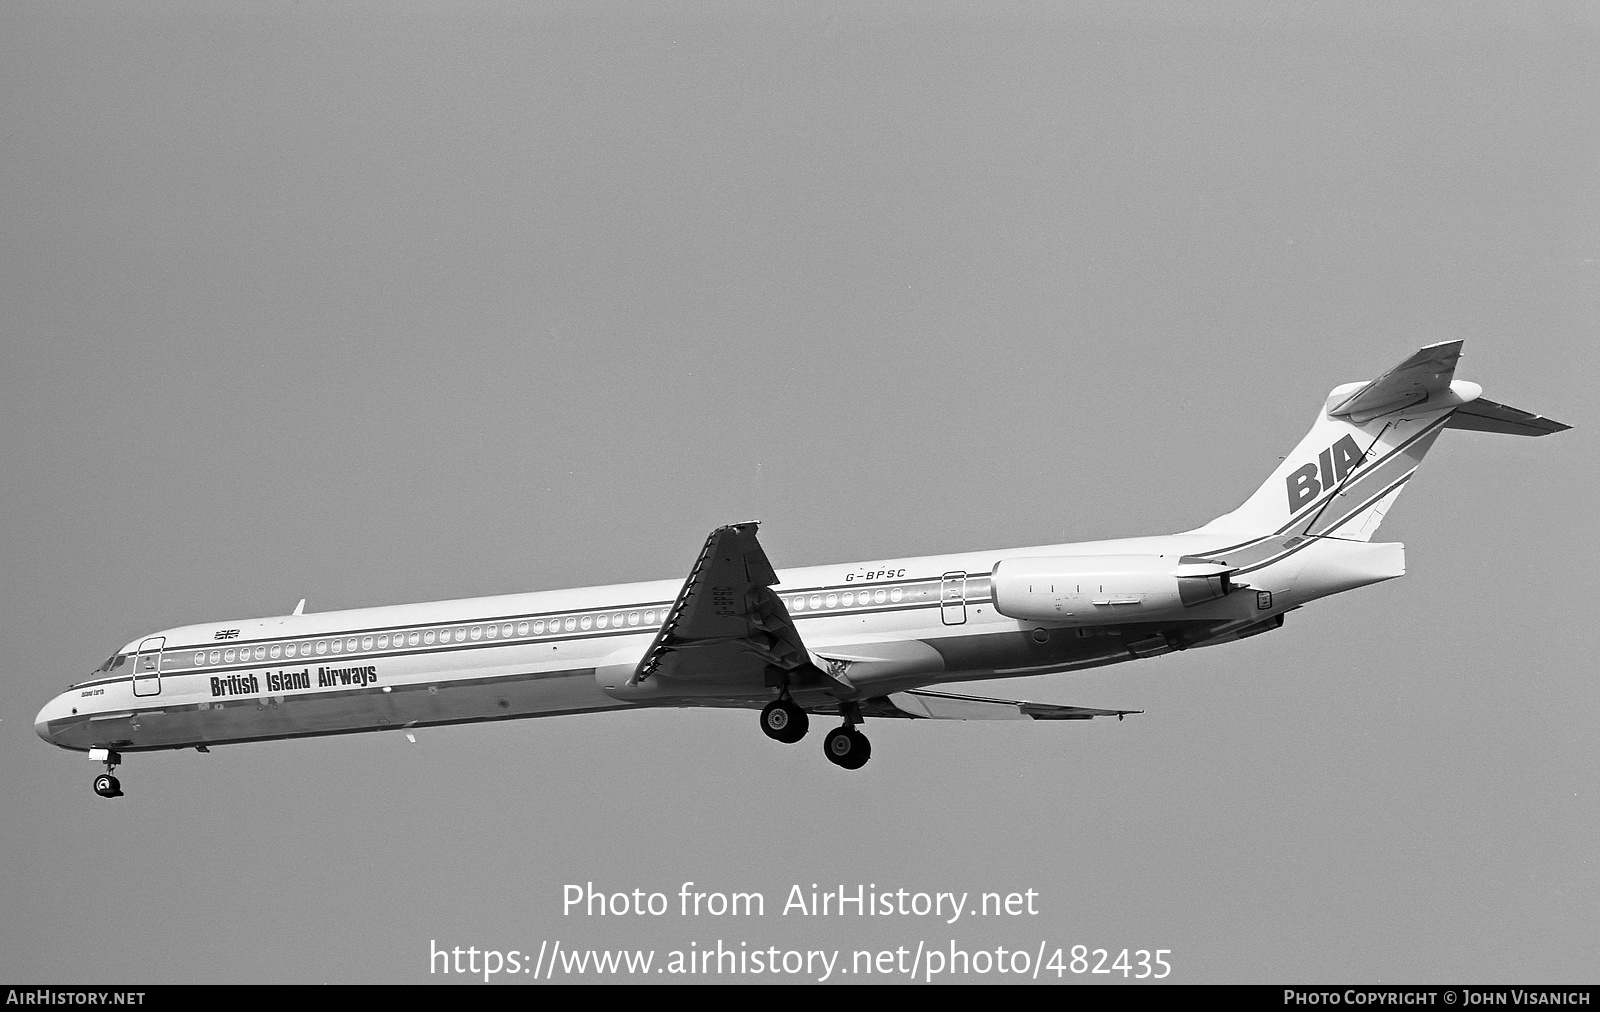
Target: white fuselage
[(896, 624)]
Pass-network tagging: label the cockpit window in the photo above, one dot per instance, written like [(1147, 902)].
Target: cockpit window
[(112, 663)]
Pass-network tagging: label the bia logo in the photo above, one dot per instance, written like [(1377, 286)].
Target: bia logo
[(1332, 465)]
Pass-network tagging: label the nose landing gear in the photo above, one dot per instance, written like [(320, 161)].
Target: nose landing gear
[(106, 785)]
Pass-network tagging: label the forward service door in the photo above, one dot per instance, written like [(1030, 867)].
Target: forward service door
[(147, 667)]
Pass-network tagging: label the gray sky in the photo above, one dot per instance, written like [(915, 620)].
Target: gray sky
[(370, 306)]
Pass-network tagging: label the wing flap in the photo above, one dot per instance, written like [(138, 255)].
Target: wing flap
[(920, 703)]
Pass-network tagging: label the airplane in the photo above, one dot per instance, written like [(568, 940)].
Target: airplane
[(846, 641)]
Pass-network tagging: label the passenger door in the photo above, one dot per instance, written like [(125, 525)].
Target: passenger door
[(147, 667)]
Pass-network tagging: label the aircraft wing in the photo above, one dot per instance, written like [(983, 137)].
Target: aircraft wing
[(926, 705), (727, 631)]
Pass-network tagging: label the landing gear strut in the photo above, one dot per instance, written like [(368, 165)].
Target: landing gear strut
[(106, 785), (845, 746), (784, 721)]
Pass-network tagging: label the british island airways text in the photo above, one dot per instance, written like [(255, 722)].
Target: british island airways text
[(289, 681), (857, 900)]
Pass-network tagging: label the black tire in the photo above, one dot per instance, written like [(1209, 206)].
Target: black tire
[(106, 786), (782, 720), (859, 754), (846, 748)]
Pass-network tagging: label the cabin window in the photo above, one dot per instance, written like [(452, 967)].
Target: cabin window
[(522, 628)]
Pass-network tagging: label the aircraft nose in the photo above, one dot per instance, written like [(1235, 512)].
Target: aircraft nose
[(52, 710)]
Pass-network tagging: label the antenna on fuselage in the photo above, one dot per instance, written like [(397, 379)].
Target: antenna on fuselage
[(300, 609)]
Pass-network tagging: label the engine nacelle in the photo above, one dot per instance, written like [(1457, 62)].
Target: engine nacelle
[(1100, 589)]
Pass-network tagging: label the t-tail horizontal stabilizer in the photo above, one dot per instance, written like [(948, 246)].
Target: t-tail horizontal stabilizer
[(1425, 375), (1484, 415)]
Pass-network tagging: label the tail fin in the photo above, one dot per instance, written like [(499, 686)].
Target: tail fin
[(1366, 442)]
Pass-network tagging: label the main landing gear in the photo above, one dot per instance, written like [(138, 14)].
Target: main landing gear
[(783, 720), (106, 785), (847, 747)]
